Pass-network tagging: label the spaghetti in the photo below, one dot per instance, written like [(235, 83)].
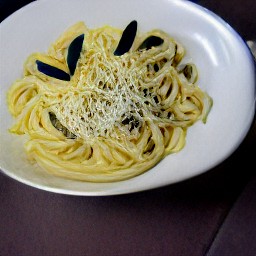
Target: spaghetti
[(97, 116)]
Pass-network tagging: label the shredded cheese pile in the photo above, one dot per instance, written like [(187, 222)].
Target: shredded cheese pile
[(106, 94)]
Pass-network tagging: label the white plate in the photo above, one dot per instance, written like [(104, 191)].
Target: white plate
[(225, 67)]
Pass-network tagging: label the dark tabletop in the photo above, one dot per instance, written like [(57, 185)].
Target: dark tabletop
[(211, 214)]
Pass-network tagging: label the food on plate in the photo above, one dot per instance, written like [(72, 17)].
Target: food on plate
[(106, 104)]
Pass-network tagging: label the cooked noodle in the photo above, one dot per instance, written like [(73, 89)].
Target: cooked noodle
[(118, 116)]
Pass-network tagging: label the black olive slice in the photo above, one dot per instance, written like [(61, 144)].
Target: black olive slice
[(74, 51), (151, 42), (127, 39), (52, 71)]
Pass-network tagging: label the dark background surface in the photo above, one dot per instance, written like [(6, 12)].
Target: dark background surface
[(211, 214)]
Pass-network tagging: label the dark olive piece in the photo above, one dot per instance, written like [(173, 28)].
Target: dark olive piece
[(127, 39), (57, 124), (150, 42), (187, 71), (52, 71), (74, 51)]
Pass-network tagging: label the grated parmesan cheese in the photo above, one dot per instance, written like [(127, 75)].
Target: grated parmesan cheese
[(106, 95)]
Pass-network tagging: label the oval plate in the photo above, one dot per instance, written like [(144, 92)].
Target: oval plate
[(226, 72)]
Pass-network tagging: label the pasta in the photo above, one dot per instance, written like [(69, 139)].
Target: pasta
[(94, 111)]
